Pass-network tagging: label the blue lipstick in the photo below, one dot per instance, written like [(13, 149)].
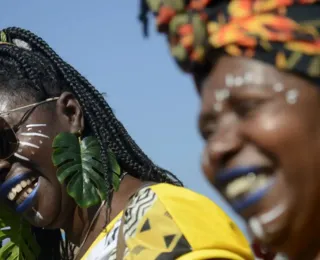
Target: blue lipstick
[(242, 204), (228, 175), (7, 186), (28, 201)]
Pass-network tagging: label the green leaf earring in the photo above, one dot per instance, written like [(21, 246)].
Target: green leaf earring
[(79, 167)]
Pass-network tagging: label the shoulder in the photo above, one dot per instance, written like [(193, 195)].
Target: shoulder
[(197, 219)]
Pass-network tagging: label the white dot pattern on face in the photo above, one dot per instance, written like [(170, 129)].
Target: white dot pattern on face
[(278, 87), (292, 96), (222, 94), (236, 81), (217, 107)]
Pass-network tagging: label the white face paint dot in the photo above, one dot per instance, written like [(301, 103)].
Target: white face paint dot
[(40, 131), (20, 151), (292, 96), (248, 78), (29, 138), (229, 80), (222, 94), (239, 81), (40, 142), (29, 129), (217, 107), (32, 153), (278, 87)]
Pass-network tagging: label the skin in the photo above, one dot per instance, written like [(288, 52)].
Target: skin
[(257, 126), (57, 208)]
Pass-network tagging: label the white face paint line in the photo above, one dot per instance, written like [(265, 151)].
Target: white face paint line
[(21, 157), (30, 145), (256, 227), (36, 125), (34, 134), (272, 214)]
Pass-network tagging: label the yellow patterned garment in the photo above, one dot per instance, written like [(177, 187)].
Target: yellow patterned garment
[(166, 222)]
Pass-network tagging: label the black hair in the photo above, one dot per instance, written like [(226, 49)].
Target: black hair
[(30, 67)]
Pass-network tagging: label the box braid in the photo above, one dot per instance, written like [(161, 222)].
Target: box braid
[(28, 64)]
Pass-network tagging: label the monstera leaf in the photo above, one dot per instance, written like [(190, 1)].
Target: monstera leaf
[(21, 244), (80, 168)]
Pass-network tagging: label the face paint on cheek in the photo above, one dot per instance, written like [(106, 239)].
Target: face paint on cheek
[(30, 144), (266, 224), (292, 96), (278, 87)]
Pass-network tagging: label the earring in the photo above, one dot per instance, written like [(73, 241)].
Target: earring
[(79, 167)]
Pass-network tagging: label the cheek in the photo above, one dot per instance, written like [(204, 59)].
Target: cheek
[(207, 168), (276, 132), (289, 140), (35, 146)]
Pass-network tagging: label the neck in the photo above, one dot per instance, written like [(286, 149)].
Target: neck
[(83, 218)]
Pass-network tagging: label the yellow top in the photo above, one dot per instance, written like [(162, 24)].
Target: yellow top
[(168, 222)]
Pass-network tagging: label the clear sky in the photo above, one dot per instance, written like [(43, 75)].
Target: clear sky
[(154, 100)]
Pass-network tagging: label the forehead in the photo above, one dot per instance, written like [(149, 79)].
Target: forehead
[(236, 72)]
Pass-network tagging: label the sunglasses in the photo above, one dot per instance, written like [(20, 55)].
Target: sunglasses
[(9, 142)]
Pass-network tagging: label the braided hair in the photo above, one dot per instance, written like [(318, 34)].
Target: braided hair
[(29, 66)]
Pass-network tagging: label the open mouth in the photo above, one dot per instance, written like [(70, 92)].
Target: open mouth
[(244, 186), (20, 190)]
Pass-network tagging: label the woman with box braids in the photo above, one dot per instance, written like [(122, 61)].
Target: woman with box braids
[(67, 163)]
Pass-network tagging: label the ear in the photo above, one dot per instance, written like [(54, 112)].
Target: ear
[(70, 113)]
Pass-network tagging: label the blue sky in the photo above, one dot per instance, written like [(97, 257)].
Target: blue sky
[(155, 101)]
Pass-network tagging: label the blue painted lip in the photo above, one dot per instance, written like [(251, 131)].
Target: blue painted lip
[(242, 204), (228, 175), (6, 187), (28, 201)]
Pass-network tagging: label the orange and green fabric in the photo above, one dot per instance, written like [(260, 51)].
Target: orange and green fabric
[(285, 33)]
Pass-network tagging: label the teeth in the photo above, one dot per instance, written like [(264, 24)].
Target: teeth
[(19, 187), (11, 196), (246, 185)]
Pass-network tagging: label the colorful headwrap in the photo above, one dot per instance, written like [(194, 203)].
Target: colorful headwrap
[(284, 33)]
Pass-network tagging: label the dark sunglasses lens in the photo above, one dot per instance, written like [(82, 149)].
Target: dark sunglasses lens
[(8, 140)]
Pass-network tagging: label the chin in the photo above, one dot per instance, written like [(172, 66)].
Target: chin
[(48, 209)]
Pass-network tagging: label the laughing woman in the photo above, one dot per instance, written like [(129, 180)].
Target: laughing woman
[(256, 65), (68, 163)]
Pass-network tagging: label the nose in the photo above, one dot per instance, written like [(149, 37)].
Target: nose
[(4, 169), (222, 146)]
